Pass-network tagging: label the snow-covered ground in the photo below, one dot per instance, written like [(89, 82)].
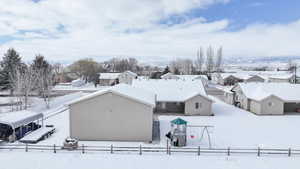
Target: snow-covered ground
[(233, 127), (19, 160)]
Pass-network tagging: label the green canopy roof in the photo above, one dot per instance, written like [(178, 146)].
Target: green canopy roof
[(179, 121)]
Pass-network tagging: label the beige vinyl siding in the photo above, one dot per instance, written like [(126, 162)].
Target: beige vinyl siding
[(255, 107), (204, 108), (276, 108), (111, 117)]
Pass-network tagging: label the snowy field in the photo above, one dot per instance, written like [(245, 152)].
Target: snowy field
[(233, 127), (12, 160)]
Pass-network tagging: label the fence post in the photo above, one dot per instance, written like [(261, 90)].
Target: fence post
[(54, 148), (169, 150), (198, 150), (140, 149), (167, 146), (83, 149), (290, 152), (228, 151), (111, 149), (26, 147), (258, 151)]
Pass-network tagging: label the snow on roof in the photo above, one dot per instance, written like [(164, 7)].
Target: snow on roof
[(109, 75), (183, 77), (281, 76), (169, 75), (19, 118), (258, 91), (263, 74), (134, 93), (172, 90), (243, 76), (192, 77), (131, 73)]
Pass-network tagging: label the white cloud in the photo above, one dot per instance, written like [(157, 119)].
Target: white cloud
[(97, 28)]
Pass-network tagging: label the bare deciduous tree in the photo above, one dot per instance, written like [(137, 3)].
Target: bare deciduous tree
[(199, 60), (210, 59), (219, 59), (23, 83), (184, 66)]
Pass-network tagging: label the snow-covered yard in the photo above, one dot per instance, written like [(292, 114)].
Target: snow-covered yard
[(233, 127), (22, 160)]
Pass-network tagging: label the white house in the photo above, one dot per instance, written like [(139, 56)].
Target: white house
[(178, 96), (109, 79), (282, 78), (118, 113), (233, 78), (170, 75), (268, 98)]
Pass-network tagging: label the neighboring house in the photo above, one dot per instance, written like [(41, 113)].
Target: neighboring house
[(178, 96), (169, 75), (228, 95), (230, 79), (118, 113), (127, 77), (110, 79), (283, 78), (267, 98)]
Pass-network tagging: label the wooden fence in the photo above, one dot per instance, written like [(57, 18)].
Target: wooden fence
[(168, 150)]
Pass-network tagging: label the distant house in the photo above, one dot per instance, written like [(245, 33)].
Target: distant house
[(230, 79), (169, 75), (109, 79), (178, 96), (127, 77), (282, 78), (228, 95), (267, 98), (118, 113)]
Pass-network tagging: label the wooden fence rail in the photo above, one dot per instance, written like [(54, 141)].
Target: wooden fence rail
[(164, 150)]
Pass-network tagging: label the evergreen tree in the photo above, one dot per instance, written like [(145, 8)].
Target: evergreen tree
[(42, 68), (10, 61), (166, 70), (176, 71)]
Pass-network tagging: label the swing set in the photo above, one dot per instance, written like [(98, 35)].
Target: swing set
[(203, 131)]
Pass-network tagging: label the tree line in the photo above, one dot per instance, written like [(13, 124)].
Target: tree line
[(202, 64), (40, 76), (23, 79)]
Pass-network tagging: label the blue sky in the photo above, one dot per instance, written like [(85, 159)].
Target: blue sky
[(164, 28), (241, 13)]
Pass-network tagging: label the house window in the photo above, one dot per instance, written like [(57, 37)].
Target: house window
[(271, 104), (198, 105)]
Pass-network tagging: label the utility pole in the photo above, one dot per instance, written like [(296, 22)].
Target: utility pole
[(295, 73)]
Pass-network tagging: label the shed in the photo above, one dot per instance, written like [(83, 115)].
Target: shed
[(118, 113)]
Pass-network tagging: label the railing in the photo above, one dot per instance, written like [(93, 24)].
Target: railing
[(150, 150)]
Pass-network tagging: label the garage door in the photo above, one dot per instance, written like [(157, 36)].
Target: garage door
[(291, 107)]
